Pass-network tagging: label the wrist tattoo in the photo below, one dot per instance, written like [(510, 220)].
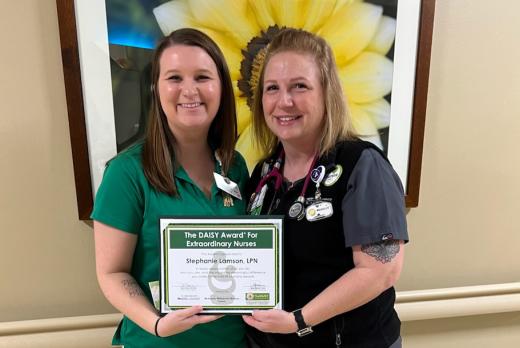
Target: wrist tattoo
[(383, 251), (132, 287)]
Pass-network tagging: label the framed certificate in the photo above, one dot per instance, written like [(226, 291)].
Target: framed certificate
[(226, 265)]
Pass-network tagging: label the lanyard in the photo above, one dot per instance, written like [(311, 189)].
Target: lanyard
[(301, 197), (296, 210)]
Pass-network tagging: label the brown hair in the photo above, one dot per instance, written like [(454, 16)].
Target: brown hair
[(158, 153), (337, 123)]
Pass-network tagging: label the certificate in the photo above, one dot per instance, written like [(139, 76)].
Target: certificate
[(226, 265)]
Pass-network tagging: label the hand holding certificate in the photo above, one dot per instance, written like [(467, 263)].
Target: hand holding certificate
[(230, 265)]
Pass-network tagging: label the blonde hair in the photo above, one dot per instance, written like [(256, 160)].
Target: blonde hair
[(337, 122)]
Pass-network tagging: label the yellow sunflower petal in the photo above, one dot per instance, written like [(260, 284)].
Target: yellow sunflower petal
[(247, 149), (176, 14), (364, 125), (251, 18), (384, 37), (290, 13), (350, 29), (379, 111), (243, 114), (367, 78), (230, 17), (262, 12), (173, 15), (319, 12), (341, 3), (230, 50)]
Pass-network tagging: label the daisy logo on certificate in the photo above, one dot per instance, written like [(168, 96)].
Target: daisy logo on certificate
[(257, 296)]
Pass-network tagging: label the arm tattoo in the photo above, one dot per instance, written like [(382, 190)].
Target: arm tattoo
[(132, 287), (383, 251)]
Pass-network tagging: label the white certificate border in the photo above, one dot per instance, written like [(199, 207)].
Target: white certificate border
[(222, 227), (275, 221)]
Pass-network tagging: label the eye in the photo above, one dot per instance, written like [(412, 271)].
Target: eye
[(174, 78), (269, 88), (202, 78), (300, 85)]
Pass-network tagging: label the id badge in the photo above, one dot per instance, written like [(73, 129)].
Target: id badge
[(227, 185), (318, 211)]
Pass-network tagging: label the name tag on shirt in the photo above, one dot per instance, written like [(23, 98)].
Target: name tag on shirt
[(318, 211), (227, 185)]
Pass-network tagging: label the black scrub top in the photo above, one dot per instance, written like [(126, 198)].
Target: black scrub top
[(368, 207)]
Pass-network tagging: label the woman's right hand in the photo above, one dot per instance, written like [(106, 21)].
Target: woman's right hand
[(183, 319), (114, 250)]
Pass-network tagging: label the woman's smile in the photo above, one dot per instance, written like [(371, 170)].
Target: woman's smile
[(190, 105), (287, 120)]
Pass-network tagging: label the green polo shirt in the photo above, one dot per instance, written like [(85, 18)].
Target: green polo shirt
[(125, 200)]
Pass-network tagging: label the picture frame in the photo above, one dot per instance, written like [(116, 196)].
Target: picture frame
[(84, 46)]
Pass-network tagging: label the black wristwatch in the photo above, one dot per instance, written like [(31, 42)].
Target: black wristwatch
[(303, 328)]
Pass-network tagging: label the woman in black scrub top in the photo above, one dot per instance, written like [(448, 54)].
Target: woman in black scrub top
[(345, 225)]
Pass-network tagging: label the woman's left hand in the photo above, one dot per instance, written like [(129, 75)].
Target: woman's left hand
[(272, 320)]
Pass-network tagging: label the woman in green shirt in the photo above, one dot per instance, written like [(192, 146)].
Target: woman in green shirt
[(191, 133)]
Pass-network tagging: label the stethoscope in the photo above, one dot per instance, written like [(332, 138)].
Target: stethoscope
[(296, 210), (273, 173)]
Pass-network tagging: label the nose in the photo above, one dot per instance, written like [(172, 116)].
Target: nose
[(286, 99), (189, 89)]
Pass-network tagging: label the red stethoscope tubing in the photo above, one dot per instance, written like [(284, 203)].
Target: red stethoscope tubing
[(275, 172)]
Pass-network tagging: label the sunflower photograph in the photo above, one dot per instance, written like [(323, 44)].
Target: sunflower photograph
[(361, 34)]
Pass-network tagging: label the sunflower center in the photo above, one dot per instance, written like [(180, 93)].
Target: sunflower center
[(251, 65)]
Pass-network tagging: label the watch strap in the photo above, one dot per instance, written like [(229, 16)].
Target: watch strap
[(303, 328)]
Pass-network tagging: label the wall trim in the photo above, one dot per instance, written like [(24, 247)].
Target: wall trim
[(24, 327), (458, 301), (411, 305)]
